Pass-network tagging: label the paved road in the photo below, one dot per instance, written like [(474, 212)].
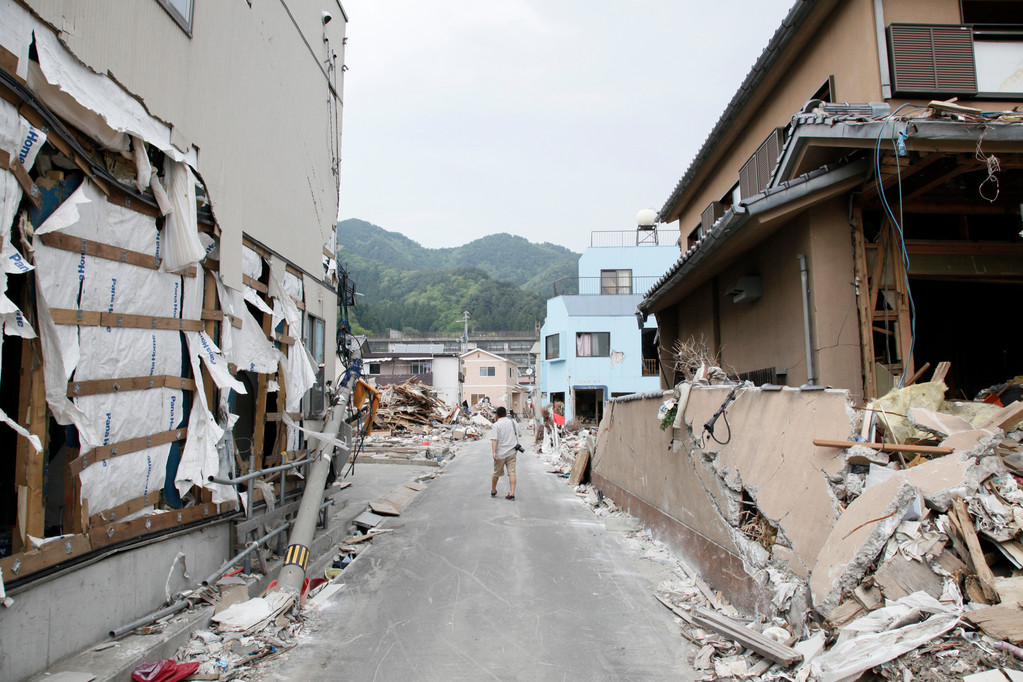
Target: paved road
[(474, 588)]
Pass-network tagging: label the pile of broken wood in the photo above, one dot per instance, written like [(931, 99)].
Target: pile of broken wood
[(409, 405)]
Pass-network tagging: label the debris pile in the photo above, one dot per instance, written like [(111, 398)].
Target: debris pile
[(920, 574), (404, 407)]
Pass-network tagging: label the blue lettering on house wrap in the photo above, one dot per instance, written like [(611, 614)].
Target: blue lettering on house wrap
[(174, 400), (152, 359), (106, 430), (206, 347), (81, 268), (113, 293), (176, 285), (27, 145), (17, 261), (18, 318), (157, 244)]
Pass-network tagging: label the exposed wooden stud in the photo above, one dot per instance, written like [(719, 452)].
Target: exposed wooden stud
[(126, 447), (862, 298), (114, 514), (66, 242), (95, 318), (100, 386)]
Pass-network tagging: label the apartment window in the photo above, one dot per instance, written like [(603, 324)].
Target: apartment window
[(314, 344), (553, 347), (488, 371), (419, 368), (593, 344), (374, 367), (509, 372), (180, 11), (616, 282)]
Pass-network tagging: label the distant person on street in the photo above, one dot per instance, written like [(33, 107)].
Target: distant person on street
[(504, 442)]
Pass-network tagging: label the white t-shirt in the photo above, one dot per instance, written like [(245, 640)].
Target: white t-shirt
[(506, 433)]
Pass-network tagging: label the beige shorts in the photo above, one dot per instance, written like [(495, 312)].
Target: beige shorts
[(504, 464)]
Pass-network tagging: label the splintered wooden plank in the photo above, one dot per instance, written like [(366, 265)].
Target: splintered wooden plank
[(900, 577), (767, 648), (1004, 621), (983, 571), (1005, 418), (582, 461), (884, 447)]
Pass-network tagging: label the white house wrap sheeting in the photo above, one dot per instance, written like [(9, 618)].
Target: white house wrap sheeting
[(77, 281), (21, 141)]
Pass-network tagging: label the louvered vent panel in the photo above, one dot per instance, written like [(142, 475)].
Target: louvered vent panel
[(710, 215), (932, 59), (754, 176)]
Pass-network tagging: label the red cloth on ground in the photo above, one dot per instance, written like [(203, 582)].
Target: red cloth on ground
[(166, 670)]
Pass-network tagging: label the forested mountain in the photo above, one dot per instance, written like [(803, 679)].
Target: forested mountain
[(502, 280)]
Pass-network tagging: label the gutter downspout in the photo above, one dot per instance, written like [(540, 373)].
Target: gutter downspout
[(811, 371), (296, 558), (882, 50)]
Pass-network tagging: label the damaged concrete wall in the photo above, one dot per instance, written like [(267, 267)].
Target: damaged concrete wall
[(697, 493), (127, 584)]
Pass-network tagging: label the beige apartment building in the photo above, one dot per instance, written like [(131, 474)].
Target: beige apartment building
[(836, 230)]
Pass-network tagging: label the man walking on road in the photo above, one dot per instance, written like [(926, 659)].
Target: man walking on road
[(504, 442)]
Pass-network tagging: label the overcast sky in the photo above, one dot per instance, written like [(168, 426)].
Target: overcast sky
[(548, 119)]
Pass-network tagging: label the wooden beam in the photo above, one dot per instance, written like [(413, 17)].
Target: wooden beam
[(51, 554), (100, 386), (66, 242), (862, 308), (114, 533), (884, 447), (95, 318), (768, 648), (980, 567), (255, 284), (1005, 418), (28, 187), (111, 515), (126, 447), (941, 371)]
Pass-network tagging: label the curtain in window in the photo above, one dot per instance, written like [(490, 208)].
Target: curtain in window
[(583, 345)]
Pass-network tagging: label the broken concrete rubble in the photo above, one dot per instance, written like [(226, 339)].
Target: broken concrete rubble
[(705, 490)]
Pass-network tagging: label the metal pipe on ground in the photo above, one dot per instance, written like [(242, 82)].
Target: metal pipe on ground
[(180, 604), (257, 474), (151, 618), (296, 557)]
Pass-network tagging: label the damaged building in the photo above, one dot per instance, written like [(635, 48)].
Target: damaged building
[(168, 197), (851, 232)]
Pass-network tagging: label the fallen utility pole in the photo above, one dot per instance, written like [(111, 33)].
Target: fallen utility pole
[(296, 558)]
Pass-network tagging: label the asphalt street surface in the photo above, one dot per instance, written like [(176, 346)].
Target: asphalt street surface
[(470, 587)]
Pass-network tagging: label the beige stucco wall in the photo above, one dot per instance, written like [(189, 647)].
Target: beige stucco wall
[(768, 455), (245, 91), (838, 48), (500, 388)]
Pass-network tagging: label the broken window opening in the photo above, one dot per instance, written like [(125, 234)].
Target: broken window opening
[(755, 525), (651, 363)]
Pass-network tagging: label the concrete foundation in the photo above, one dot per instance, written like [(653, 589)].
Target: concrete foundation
[(58, 617)]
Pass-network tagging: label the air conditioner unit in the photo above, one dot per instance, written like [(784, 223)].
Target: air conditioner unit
[(746, 289)]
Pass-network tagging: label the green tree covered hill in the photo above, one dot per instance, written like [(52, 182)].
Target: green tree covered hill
[(502, 280)]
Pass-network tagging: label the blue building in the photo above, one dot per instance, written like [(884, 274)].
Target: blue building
[(591, 346)]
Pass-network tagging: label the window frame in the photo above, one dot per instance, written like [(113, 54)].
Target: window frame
[(314, 402), (611, 282), (547, 346), (593, 336), (488, 371), (185, 23)]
